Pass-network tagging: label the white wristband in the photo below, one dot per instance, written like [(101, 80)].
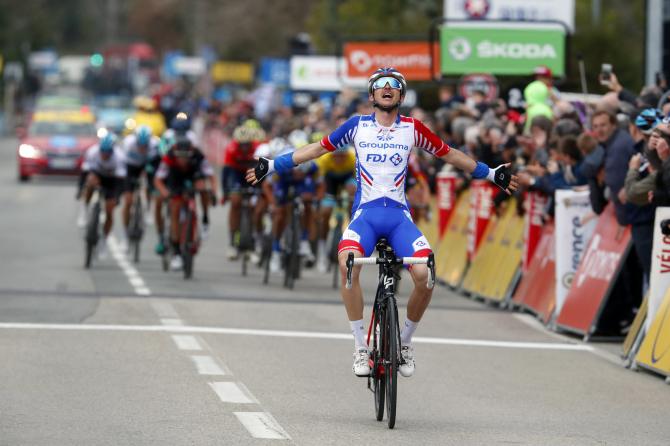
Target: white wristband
[(491, 176)]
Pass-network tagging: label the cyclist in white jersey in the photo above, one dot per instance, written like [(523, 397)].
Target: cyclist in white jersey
[(139, 150), (104, 166), (382, 142)]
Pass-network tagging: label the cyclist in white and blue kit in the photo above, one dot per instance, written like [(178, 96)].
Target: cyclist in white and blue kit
[(382, 142)]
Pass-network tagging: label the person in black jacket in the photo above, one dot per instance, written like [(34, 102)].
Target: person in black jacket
[(661, 194)]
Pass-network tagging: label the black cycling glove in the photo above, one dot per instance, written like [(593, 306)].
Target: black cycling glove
[(262, 169), (501, 176)]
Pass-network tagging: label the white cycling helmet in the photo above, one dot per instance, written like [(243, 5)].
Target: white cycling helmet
[(390, 72)]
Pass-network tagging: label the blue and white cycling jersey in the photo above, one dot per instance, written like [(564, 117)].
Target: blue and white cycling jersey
[(134, 157), (382, 155)]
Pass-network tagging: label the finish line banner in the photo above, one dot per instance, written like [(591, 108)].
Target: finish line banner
[(574, 229)]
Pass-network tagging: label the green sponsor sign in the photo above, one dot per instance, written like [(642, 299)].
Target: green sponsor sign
[(501, 49)]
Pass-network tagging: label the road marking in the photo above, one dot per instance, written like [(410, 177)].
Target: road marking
[(172, 321), (129, 270), (186, 342), (174, 328), (206, 365), (164, 309), (262, 425), (231, 392)]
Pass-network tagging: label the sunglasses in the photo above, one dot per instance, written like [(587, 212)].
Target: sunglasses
[(391, 81)]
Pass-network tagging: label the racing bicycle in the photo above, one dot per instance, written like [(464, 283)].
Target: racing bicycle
[(189, 238), (244, 237), (342, 206), (385, 355), (292, 234)]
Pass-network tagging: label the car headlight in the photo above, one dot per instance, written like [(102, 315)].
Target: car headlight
[(28, 151)]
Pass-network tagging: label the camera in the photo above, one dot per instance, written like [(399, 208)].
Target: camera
[(605, 74), (665, 226)]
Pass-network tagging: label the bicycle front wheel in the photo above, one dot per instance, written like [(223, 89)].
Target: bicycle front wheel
[(392, 361), (187, 245), (377, 371)]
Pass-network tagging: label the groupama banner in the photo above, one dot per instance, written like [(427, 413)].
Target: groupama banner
[(499, 48)]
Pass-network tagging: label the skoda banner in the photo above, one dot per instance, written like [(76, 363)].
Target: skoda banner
[(575, 223), (496, 48)]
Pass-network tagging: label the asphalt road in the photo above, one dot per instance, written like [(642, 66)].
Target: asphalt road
[(126, 354)]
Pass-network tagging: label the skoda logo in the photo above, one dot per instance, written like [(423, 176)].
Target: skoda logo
[(460, 48)]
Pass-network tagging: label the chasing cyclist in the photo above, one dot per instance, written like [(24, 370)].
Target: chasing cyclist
[(182, 164), (139, 149), (104, 167), (382, 142)]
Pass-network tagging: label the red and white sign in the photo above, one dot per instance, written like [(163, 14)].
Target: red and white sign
[(446, 200), (596, 275), (534, 204), (537, 290), (412, 59), (659, 281), (481, 211)]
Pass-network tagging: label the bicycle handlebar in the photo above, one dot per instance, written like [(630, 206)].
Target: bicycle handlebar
[(429, 261)]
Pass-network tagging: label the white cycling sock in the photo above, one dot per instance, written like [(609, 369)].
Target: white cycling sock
[(321, 247), (407, 332), (358, 330)]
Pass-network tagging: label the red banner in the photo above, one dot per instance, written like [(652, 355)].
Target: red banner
[(596, 275), (446, 200), (537, 290), (534, 204), (481, 211), (413, 59)]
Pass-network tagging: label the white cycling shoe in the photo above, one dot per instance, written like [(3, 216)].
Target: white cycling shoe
[(306, 251), (322, 263), (275, 262), (176, 263), (102, 249), (361, 365), (406, 369)]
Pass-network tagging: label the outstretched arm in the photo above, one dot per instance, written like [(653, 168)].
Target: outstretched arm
[(501, 175), (288, 161)]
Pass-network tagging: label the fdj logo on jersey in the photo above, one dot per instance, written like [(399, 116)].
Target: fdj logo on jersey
[(375, 158)]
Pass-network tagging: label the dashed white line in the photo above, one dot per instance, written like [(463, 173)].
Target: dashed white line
[(164, 309), (172, 322), (186, 342), (129, 270), (206, 365), (262, 425), (231, 392)]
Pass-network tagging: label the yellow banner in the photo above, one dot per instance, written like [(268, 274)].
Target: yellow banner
[(654, 353), (451, 255), (494, 267), (240, 72), (638, 322)]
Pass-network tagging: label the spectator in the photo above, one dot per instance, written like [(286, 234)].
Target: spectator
[(536, 95), (661, 194), (619, 148)]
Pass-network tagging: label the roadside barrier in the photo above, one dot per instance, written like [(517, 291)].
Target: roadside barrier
[(659, 281), (446, 200), (654, 352), (451, 253), (534, 205), (596, 276), (481, 211), (495, 268)]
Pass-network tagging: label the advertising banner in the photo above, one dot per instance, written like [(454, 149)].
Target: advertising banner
[(321, 73), (494, 267), (446, 200), (516, 10), (452, 251), (595, 276), (534, 205), (275, 71), (659, 281), (413, 59), (239, 72), (537, 290), (481, 211), (654, 352), (575, 223), (495, 48)]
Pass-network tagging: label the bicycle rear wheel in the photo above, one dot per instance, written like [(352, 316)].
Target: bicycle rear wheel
[(391, 360)]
